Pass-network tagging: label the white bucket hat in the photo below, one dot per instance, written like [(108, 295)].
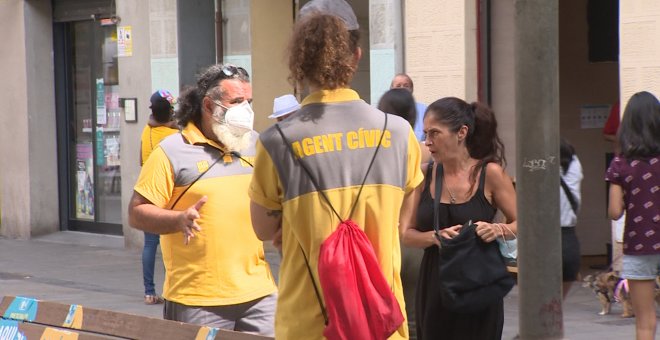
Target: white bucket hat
[(284, 105)]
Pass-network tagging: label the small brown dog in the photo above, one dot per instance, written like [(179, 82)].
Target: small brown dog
[(610, 288)]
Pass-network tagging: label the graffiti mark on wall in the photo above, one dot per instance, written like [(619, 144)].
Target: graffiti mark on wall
[(540, 164)]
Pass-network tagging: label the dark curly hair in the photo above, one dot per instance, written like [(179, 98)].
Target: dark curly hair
[(322, 52), (482, 142), (190, 100)]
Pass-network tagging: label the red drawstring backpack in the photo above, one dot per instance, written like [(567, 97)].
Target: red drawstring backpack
[(359, 302)]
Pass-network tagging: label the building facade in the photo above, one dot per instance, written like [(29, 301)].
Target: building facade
[(78, 76)]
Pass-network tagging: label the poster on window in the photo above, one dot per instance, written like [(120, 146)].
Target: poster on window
[(124, 41), (84, 182)]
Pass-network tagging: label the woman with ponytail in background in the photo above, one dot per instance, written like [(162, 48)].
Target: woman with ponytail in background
[(463, 140)]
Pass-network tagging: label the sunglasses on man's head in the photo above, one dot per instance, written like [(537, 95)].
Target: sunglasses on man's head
[(231, 71)]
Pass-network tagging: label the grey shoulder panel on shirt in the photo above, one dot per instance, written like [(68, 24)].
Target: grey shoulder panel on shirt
[(337, 142), (188, 161)]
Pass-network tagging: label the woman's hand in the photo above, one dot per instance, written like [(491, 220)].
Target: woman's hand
[(450, 232), (488, 232)]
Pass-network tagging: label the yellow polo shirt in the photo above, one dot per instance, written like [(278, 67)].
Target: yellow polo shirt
[(335, 133), (224, 263)]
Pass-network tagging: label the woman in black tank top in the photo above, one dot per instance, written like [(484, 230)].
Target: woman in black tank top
[(463, 140)]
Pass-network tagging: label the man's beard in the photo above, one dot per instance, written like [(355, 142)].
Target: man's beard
[(232, 138)]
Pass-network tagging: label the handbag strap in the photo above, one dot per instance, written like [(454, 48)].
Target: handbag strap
[(569, 195), (436, 200), (325, 197)]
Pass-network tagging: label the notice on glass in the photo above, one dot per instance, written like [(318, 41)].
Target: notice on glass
[(124, 41), (593, 116), (84, 182)]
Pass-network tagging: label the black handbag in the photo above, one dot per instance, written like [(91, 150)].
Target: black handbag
[(473, 274)]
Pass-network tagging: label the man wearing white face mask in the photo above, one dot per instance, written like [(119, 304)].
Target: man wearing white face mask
[(193, 191)]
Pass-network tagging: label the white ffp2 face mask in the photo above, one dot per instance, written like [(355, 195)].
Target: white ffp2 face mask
[(240, 116)]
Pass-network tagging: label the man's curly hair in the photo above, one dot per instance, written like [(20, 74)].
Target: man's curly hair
[(322, 53), (190, 100)]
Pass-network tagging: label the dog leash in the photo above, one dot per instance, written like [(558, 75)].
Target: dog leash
[(622, 284)]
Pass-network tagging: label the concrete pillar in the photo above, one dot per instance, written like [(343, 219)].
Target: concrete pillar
[(28, 175), (196, 38), (537, 113)]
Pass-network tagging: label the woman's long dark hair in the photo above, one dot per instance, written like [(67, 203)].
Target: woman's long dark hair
[(639, 133), (566, 152), (483, 142), (399, 102)]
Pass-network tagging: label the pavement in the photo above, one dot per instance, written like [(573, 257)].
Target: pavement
[(97, 271)]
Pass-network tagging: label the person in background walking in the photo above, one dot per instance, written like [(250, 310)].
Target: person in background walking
[(570, 200), (161, 124), (404, 81), (400, 102), (284, 106), (634, 177)]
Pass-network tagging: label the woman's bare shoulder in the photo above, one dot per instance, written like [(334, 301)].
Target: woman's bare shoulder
[(495, 172)]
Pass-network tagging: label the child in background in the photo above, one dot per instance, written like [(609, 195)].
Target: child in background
[(634, 177)]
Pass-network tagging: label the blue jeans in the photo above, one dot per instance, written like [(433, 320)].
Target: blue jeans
[(151, 242)]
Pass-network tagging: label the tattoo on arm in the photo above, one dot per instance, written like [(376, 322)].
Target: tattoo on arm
[(274, 213)]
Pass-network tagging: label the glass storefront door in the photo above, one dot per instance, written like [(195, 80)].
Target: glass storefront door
[(92, 116)]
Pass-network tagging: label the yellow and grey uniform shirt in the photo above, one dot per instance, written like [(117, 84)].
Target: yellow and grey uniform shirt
[(224, 263), (335, 133), (151, 136)]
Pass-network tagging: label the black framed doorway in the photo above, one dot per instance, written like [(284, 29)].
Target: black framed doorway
[(88, 123)]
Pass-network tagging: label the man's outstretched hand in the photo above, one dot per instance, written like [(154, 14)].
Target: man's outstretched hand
[(187, 220)]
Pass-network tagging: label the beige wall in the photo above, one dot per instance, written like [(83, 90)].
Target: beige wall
[(271, 22), (503, 90), (639, 32), (13, 119), (440, 48), (134, 82), (28, 176), (44, 208)]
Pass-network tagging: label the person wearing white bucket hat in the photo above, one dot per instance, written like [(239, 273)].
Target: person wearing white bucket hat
[(283, 106)]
